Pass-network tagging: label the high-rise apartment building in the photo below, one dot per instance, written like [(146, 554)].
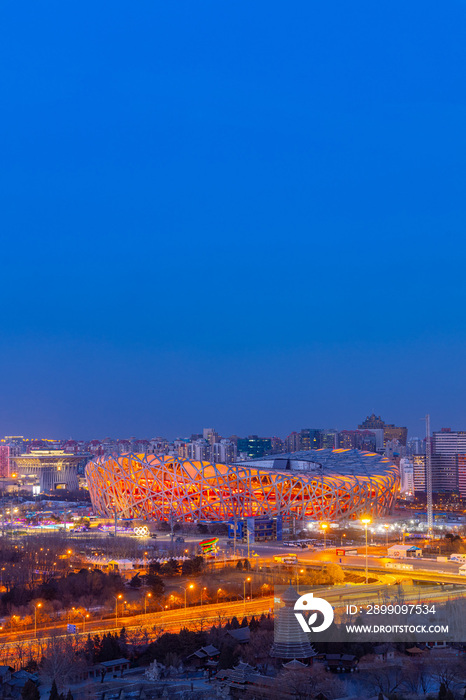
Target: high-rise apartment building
[(210, 435), (293, 442), (406, 478), (223, 452), (277, 444)]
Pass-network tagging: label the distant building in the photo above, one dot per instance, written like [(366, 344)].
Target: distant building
[(224, 452), (448, 442), (292, 442), (372, 421), (210, 435), (4, 460), (16, 444), (277, 445), (461, 459), (329, 439), (182, 448), (444, 473), (415, 446), (158, 446), (419, 473), (254, 446), (199, 450), (391, 432), (310, 439), (407, 478), (357, 439), (55, 469)]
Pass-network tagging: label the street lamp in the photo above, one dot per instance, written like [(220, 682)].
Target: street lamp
[(191, 586), (301, 571), (116, 599), (386, 534), (324, 527), (148, 595), (202, 591), (39, 605), (84, 619), (365, 521), (219, 590), (244, 590)]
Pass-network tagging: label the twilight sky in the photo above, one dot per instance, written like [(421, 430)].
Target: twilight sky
[(243, 215)]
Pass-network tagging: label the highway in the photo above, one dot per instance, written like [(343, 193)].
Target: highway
[(168, 620), (423, 569)]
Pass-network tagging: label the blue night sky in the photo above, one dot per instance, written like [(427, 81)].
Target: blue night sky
[(242, 215)]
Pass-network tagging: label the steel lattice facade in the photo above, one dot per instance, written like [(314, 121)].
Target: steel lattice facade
[(161, 488)]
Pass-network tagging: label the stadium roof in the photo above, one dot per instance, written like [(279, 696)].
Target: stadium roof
[(339, 462)]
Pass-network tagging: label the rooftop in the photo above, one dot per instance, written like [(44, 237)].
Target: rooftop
[(326, 461)]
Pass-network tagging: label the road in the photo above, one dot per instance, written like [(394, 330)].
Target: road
[(169, 620), (426, 569)]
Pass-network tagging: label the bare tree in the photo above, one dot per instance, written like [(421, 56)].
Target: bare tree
[(384, 680), (450, 672), (306, 683), (417, 676), (61, 662)]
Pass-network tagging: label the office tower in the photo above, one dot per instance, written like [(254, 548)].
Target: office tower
[(310, 439), (329, 438), (449, 442), (254, 446), (444, 473)]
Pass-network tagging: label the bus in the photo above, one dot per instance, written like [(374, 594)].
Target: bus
[(286, 559)]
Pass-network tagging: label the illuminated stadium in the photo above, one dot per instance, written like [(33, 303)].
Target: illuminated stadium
[(317, 484)]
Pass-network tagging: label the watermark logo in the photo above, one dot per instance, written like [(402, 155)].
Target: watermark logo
[(308, 604)]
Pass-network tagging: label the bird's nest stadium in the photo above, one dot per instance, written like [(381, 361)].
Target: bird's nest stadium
[(317, 484)]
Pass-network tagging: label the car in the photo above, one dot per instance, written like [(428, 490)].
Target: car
[(154, 536), (179, 539)]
